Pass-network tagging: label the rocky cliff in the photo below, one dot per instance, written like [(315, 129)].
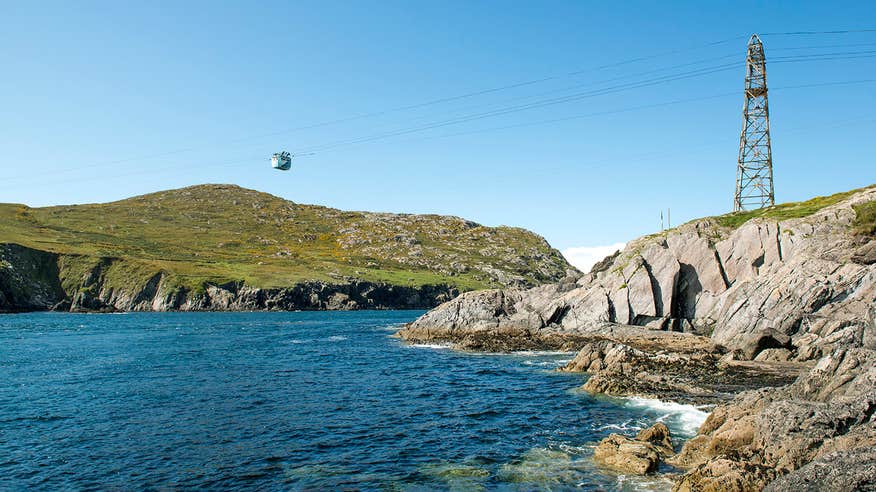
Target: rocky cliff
[(785, 289), (768, 316), (222, 247)]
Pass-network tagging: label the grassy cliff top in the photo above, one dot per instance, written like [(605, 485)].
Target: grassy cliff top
[(789, 210), (224, 232)]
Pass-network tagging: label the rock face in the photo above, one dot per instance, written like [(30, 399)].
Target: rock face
[(28, 279), (798, 287), (724, 475), (825, 420), (658, 435), (33, 280), (834, 472)]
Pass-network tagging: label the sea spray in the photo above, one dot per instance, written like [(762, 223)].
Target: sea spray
[(684, 420)]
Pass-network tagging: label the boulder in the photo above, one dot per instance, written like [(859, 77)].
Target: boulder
[(658, 435), (627, 455), (774, 355)]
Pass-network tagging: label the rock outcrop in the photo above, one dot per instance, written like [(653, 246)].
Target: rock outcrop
[(33, 280), (798, 287), (828, 415), (627, 455), (772, 320), (680, 367), (835, 472), (636, 456)]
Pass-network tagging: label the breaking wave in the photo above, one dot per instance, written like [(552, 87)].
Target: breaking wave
[(680, 418)]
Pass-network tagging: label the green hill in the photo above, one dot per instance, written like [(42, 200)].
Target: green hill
[(213, 235)]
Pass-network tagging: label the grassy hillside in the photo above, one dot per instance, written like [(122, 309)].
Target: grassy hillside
[(789, 210), (220, 233)]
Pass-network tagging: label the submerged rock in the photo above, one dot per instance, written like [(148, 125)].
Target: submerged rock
[(542, 468)]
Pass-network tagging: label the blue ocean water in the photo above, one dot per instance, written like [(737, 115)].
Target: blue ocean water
[(292, 401)]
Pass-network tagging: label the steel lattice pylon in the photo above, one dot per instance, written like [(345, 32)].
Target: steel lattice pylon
[(754, 175)]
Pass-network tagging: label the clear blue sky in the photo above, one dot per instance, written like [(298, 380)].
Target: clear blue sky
[(90, 93)]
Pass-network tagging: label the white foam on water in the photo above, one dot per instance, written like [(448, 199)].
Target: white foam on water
[(627, 426), (336, 338), (393, 328), (542, 352), (544, 363), (643, 483), (429, 345), (686, 419)]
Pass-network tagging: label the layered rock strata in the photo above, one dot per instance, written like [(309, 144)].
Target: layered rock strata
[(790, 289)]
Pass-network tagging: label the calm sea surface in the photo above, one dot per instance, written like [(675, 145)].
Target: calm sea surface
[(292, 401)]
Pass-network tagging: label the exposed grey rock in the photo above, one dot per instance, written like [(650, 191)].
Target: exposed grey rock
[(773, 297), (725, 475), (774, 355), (827, 410), (865, 254), (28, 279), (788, 286), (836, 472)]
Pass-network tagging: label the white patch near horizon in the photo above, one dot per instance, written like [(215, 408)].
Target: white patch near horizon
[(584, 257)]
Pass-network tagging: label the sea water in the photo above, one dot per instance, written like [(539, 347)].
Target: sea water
[(294, 401)]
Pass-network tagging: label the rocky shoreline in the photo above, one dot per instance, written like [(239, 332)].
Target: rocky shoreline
[(771, 324), (773, 425), (37, 282)]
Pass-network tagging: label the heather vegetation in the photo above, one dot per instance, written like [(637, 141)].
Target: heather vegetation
[(212, 234)]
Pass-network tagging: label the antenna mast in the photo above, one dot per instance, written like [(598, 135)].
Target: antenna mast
[(754, 175)]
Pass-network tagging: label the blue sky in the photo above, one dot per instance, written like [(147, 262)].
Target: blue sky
[(101, 101)]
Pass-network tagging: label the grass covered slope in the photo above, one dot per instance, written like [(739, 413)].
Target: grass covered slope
[(789, 210), (212, 234)]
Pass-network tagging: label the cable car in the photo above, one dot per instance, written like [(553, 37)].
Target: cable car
[(281, 161)]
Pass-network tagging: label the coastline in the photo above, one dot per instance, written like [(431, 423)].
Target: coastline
[(770, 317), (731, 402)]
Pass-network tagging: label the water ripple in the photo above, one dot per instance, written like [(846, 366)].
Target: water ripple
[(278, 401)]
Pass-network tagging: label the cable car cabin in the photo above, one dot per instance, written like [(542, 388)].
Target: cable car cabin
[(281, 161)]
